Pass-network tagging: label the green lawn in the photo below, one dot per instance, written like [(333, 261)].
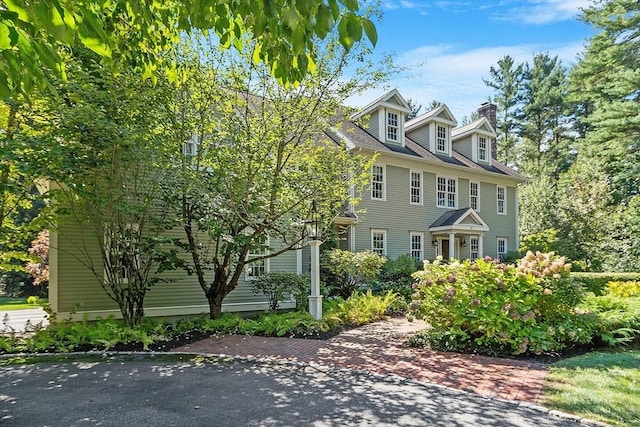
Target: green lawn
[(7, 303), (601, 385)]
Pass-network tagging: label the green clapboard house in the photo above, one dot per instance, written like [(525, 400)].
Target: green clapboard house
[(436, 189)]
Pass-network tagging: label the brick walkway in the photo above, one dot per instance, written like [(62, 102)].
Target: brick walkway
[(378, 348)]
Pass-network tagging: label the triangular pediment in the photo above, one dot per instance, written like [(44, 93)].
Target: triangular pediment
[(391, 99), (440, 114), (459, 220)]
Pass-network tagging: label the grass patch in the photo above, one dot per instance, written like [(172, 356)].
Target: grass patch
[(9, 303), (599, 385)]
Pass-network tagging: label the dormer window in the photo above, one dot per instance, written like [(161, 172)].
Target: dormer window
[(483, 152), (441, 139), (392, 127)]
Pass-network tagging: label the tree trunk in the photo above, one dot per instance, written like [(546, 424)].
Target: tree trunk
[(215, 307)]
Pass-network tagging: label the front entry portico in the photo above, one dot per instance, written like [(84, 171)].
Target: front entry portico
[(459, 229)]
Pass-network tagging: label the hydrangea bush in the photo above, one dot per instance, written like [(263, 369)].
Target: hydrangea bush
[(492, 307)]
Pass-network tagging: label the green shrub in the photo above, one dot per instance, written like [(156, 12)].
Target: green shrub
[(351, 270), (597, 282), (295, 323), (492, 307), (359, 308), (397, 276), (618, 319), (623, 289), (279, 285)]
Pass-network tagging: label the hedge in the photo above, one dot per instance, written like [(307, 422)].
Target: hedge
[(597, 282)]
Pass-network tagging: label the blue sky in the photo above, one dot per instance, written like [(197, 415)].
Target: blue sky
[(448, 46)]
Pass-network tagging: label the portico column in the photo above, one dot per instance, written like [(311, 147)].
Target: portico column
[(480, 247), (452, 245)]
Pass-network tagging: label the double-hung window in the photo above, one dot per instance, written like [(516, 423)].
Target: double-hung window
[(502, 199), (483, 150), (446, 192), (377, 182), (441, 139), (415, 188), (258, 268), (416, 246), (502, 247), (474, 195), (379, 242), (392, 126), (474, 247)]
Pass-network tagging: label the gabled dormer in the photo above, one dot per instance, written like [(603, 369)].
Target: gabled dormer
[(432, 130), (386, 117), (474, 140)]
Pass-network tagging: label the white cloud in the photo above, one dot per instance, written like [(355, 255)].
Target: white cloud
[(540, 12), (442, 73)]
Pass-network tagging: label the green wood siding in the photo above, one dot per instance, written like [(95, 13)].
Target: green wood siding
[(399, 218), (420, 136), (374, 125), (464, 147), (76, 288)]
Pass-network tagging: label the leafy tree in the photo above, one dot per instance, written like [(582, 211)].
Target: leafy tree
[(537, 199), (140, 32), (38, 267), (607, 80), (622, 243), (109, 168), (506, 79), (584, 211), (21, 213), (264, 152)]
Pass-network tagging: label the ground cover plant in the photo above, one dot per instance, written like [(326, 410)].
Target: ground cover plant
[(154, 334), (600, 385)]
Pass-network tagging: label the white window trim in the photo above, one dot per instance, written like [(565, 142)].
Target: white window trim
[(384, 183), (504, 205), (421, 235), (384, 240), (267, 264), (420, 203), (506, 247), (477, 197), (447, 192), (471, 239), (447, 142), (486, 149), (387, 126)]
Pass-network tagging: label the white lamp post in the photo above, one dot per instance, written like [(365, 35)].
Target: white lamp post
[(315, 299)]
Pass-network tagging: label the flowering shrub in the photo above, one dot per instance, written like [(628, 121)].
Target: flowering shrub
[(493, 307)]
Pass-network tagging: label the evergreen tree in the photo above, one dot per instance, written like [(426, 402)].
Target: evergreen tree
[(545, 126), (506, 80), (607, 80)]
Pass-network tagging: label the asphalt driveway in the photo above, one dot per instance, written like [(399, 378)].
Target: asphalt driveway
[(179, 390)]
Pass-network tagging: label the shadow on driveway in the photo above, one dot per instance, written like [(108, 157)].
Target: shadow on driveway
[(179, 390)]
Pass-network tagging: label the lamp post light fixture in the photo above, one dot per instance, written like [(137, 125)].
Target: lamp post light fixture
[(313, 233)]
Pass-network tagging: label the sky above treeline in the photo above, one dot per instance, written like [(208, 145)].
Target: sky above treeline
[(447, 47)]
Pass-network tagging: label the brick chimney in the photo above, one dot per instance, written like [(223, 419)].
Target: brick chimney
[(490, 111)]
